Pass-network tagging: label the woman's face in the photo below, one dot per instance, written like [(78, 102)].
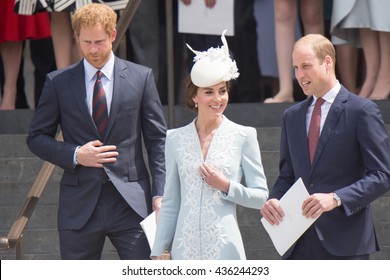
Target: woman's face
[(212, 101)]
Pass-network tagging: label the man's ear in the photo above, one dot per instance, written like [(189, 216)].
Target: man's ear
[(113, 35), (328, 62)]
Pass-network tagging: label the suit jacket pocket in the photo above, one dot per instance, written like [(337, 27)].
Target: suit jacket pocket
[(137, 174), (70, 179), (129, 108)]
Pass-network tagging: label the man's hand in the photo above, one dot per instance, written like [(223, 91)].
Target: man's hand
[(318, 203), (272, 211), (95, 154), (208, 3), (156, 203)]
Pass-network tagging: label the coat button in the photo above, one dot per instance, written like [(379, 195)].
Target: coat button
[(311, 186)]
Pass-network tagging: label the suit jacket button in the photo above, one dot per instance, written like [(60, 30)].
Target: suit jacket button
[(311, 186)]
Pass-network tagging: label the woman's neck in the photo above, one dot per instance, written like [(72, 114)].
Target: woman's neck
[(207, 128)]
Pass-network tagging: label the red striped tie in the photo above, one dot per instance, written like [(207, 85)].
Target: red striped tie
[(99, 105), (314, 128)]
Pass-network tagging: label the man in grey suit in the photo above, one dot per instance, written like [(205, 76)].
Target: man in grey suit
[(105, 189), (344, 172)]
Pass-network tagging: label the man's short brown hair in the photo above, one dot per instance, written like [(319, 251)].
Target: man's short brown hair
[(94, 14)]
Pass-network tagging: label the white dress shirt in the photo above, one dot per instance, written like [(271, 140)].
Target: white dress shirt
[(107, 81), (329, 98)]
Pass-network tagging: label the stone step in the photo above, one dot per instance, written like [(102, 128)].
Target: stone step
[(15, 121), (19, 168), (269, 137), (252, 114), (44, 245), (14, 194), (23, 169), (41, 238), (13, 146), (17, 171), (259, 114)]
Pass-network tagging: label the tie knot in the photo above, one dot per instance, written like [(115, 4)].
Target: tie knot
[(319, 102), (99, 74)]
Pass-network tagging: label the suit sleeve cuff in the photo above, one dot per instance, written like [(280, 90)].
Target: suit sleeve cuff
[(75, 159)]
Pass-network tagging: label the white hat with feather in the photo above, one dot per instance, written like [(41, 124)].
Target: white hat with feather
[(213, 66)]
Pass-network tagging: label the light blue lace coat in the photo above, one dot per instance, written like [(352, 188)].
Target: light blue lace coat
[(197, 221)]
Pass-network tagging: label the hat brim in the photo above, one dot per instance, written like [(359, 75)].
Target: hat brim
[(207, 73)]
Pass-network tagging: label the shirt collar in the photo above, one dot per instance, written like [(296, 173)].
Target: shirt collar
[(107, 69), (330, 96)]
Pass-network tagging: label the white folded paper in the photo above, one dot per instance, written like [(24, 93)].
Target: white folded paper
[(294, 224), (197, 18), (149, 227)]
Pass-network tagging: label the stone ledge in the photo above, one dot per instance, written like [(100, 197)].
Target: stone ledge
[(253, 114)]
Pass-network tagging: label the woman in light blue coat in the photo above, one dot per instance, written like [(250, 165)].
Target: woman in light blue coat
[(205, 162)]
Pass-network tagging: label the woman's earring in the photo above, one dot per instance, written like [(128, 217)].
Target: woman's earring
[(196, 105)]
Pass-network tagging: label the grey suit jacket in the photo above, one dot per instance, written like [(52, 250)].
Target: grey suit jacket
[(136, 111)]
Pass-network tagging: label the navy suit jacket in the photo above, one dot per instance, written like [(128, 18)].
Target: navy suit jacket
[(352, 159), (136, 111)]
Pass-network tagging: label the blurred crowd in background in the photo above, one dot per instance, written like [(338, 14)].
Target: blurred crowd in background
[(265, 32)]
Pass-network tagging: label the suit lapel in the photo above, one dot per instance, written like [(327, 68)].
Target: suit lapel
[(331, 121), (301, 127), (119, 85), (77, 84)]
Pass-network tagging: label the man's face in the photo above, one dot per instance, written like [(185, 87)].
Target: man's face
[(310, 73), (96, 45)]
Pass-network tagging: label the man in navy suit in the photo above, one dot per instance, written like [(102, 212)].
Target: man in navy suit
[(350, 166), (105, 189)]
